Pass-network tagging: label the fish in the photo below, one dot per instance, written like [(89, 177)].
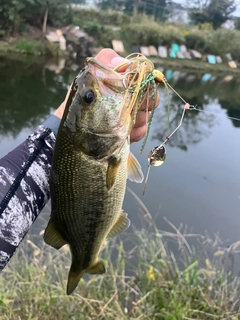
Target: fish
[(91, 164)]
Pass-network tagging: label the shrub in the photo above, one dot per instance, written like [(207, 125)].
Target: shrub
[(143, 34), (154, 34), (225, 41), (116, 18), (171, 34), (28, 47), (199, 40)]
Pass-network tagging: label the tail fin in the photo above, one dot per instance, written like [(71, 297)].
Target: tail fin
[(74, 276), (73, 280)]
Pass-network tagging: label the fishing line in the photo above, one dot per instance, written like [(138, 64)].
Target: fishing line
[(137, 82), (211, 112), (157, 155)]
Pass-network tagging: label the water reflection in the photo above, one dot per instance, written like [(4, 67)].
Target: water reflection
[(205, 91), (198, 185), (28, 92)]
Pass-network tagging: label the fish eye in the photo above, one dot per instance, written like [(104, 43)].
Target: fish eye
[(88, 96)]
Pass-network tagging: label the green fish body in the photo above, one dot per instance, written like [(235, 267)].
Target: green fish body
[(91, 164)]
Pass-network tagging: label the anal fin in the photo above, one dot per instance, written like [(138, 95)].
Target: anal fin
[(121, 224), (52, 237), (97, 268)]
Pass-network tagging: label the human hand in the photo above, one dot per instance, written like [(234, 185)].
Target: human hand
[(111, 59)]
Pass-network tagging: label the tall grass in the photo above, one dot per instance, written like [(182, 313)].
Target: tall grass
[(167, 278)]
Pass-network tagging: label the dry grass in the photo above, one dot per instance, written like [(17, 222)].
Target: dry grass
[(167, 278)]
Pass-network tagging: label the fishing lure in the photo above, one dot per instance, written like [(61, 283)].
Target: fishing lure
[(157, 155), (137, 82)]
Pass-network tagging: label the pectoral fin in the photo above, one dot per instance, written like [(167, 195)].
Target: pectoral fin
[(52, 237), (134, 169), (113, 165), (120, 225)]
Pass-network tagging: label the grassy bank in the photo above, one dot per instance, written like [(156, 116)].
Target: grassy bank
[(12, 52), (198, 285), (196, 65), (23, 46)]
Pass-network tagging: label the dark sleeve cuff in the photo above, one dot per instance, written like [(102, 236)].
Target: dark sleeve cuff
[(52, 122)]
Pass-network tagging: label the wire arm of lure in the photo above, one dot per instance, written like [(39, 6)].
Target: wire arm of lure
[(157, 155)]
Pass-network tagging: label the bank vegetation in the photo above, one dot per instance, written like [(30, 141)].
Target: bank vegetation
[(24, 30), (150, 275)]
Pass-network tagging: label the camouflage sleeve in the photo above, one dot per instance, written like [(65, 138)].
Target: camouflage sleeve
[(24, 187)]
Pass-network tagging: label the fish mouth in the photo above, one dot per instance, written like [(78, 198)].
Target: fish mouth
[(110, 79)]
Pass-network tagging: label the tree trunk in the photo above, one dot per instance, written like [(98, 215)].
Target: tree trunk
[(44, 27), (135, 6)]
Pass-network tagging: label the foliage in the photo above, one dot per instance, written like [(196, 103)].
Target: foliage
[(237, 23), (103, 35), (199, 40), (225, 41), (157, 9), (152, 33), (197, 283), (109, 17), (28, 47), (61, 15), (10, 13), (13, 13), (212, 11)]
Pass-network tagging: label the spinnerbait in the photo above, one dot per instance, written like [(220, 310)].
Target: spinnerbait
[(157, 155)]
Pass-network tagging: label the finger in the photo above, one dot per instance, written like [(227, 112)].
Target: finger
[(137, 133), (149, 104), (110, 59), (142, 119)]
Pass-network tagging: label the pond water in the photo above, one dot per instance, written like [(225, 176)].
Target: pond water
[(198, 186)]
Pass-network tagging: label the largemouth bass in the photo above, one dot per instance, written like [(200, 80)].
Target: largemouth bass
[(91, 164)]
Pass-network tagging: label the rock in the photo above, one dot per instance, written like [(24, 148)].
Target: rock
[(162, 52), (79, 44), (118, 46), (196, 54), (57, 36), (218, 59), (144, 51), (152, 51)]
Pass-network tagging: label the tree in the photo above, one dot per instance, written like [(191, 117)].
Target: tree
[(9, 13), (156, 8), (212, 11), (47, 5), (237, 23), (35, 12)]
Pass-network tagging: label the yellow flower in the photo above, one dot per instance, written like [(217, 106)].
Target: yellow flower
[(151, 273), (208, 264)]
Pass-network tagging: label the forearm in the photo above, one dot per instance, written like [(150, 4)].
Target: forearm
[(24, 188)]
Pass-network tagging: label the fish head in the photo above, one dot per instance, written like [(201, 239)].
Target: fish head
[(96, 113)]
